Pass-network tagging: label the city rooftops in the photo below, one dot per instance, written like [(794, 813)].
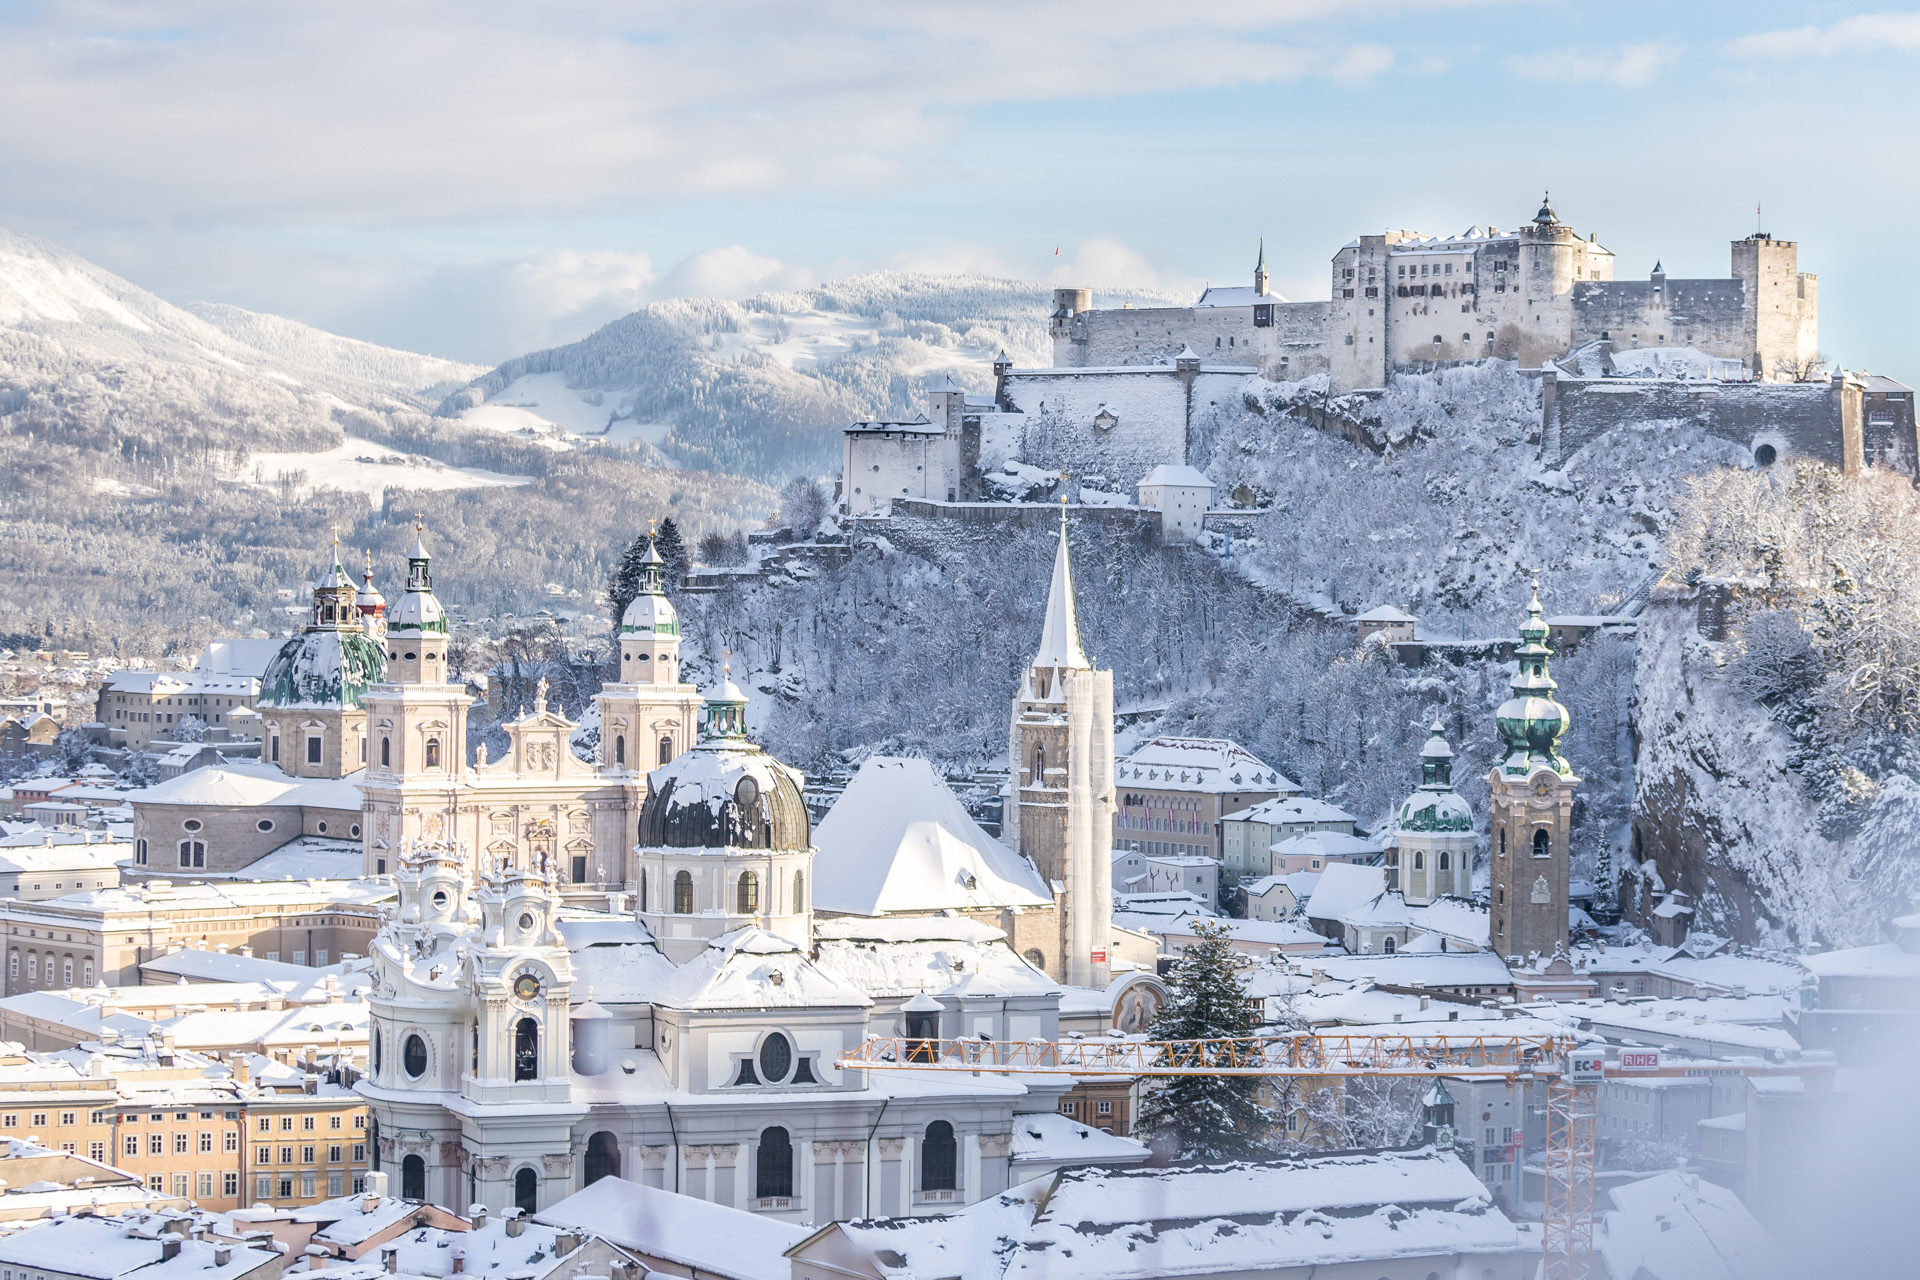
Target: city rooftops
[(1283, 810)]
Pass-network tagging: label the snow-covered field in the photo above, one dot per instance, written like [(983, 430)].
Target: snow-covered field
[(364, 467)]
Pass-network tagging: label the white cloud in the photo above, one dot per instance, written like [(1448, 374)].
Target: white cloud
[(1628, 66), (731, 271), (1863, 33), (207, 113), (1102, 262)]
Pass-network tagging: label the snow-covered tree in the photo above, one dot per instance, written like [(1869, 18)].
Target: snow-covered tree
[(673, 550), (623, 584), (803, 505), (1206, 1117), (190, 728)]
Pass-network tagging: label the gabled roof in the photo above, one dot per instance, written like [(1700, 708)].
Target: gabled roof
[(1345, 889), (706, 1238), (753, 969), (899, 840)]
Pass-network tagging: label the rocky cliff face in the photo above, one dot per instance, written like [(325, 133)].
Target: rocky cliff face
[(1719, 812)]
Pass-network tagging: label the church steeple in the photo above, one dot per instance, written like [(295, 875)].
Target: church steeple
[(1531, 720), (336, 604), (650, 628), (1060, 634), (417, 625), (1260, 271)]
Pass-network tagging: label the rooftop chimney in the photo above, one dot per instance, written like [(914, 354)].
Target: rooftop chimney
[(222, 1254), (170, 1248)]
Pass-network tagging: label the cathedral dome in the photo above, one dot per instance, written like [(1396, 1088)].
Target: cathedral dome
[(322, 669), (725, 795)]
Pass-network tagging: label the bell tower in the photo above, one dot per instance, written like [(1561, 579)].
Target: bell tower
[(1532, 808), (1060, 751), (648, 717), (1436, 830), (416, 728)]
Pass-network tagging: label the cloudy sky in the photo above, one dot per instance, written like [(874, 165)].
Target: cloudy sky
[(481, 178)]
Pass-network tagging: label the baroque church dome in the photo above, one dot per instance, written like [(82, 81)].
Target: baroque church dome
[(1436, 806), (332, 662), (726, 793)]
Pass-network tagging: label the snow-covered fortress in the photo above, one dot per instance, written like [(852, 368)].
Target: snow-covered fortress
[(1401, 299)]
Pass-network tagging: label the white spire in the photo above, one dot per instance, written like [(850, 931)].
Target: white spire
[(1060, 637)]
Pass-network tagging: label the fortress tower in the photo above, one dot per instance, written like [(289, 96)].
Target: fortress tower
[(1061, 761), (1532, 808)]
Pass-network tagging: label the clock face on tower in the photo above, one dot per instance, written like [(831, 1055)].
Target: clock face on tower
[(1543, 788), (526, 986)]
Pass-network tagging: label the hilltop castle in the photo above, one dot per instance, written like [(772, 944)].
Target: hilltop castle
[(1401, 300)]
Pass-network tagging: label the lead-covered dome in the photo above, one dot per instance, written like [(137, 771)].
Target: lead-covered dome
[(1436, 806), (650, 615), (322, 669), (725, 795)]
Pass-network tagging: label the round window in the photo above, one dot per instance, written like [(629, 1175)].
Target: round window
[(526, 920), (323, 828), (409, 657), (413, 1056), (440, 898), (354, 831), (191, 824), (746, 793), (776, 1058), (265, 824)]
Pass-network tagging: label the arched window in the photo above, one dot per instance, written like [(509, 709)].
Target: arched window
[(1386, 947), (66, 973), (1503, 842), (939, 1158), (683, 893), (620, 749), (33, 966), (1542, 844), (643, 889), (413, 1178), (603, 1157), (1039, 763), (413, 1056), (526, 1191), (386, 752), (1035, 957), (193, 853), (799, 892), (1419, 860), (1445, 861), (526, 1049), (13, 964), (140, 851), (88, 981), (376, 1049), (748, 893), (433, 753), (666, 750), (773, 1164)]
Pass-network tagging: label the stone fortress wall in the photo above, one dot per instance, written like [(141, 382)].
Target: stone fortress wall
[(1403, 300)]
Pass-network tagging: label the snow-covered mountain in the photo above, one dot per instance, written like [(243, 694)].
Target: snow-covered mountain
[(763, 387)]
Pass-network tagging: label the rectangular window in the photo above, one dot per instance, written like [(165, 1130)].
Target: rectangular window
[(205, 1181), (1105, 1108), (300, 957), (133, 1144), (359, 1183), (180, 1144), (10, 1120), (286, 1155), (286, 1124), (99, 1117), (156, 1144), (230, 1141), (360, 1121), (69, 1117), (263, 1155), (359, 1153), (265, 1124), (97, 1151), (333, 1121), (333, 1155), (157, 1182), (206, 1142), (306, 1122), (306, 1185), (313, 751), (263, 1187), (39, 1119), (333, 1183), (306, 1155), (230, 1184), (286, 1187), (320, 957)]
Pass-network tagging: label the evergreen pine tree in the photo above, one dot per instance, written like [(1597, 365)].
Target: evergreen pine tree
[(673, 550), (1206, 1117), (1606, 894), (623, 584)]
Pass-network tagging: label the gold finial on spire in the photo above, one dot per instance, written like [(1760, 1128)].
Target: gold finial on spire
[(726, 664), (419, 522), (650, 523)]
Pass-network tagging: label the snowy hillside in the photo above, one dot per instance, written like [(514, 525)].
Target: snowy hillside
[(328, 357), (762, 387)]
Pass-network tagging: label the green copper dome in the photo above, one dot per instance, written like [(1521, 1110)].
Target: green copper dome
[(322, 669), (1436, 806), (1532, 721)]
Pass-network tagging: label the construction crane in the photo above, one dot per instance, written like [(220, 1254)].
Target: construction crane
[(1571, 1067)]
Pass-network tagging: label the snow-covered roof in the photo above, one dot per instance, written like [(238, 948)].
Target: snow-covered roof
[(943, 956), (1234, 295), (704, 1237), (1325, 844), (753, 969), (1056, 1139), (1676, 1224), (1179, 475), (1345, 888), (1290, 809), (1199, 764), (238, 785), (1385, 613), (198, 966), (898, 840), (1886, 960), (1436, 969), (1265, 933), (1300, 883), (101, 1248)]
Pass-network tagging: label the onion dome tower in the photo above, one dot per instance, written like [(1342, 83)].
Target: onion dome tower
[(310, 692), (417, 626), (725, 841), (1436, 830), (647, 717), (417, 727), (1532, 806)]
